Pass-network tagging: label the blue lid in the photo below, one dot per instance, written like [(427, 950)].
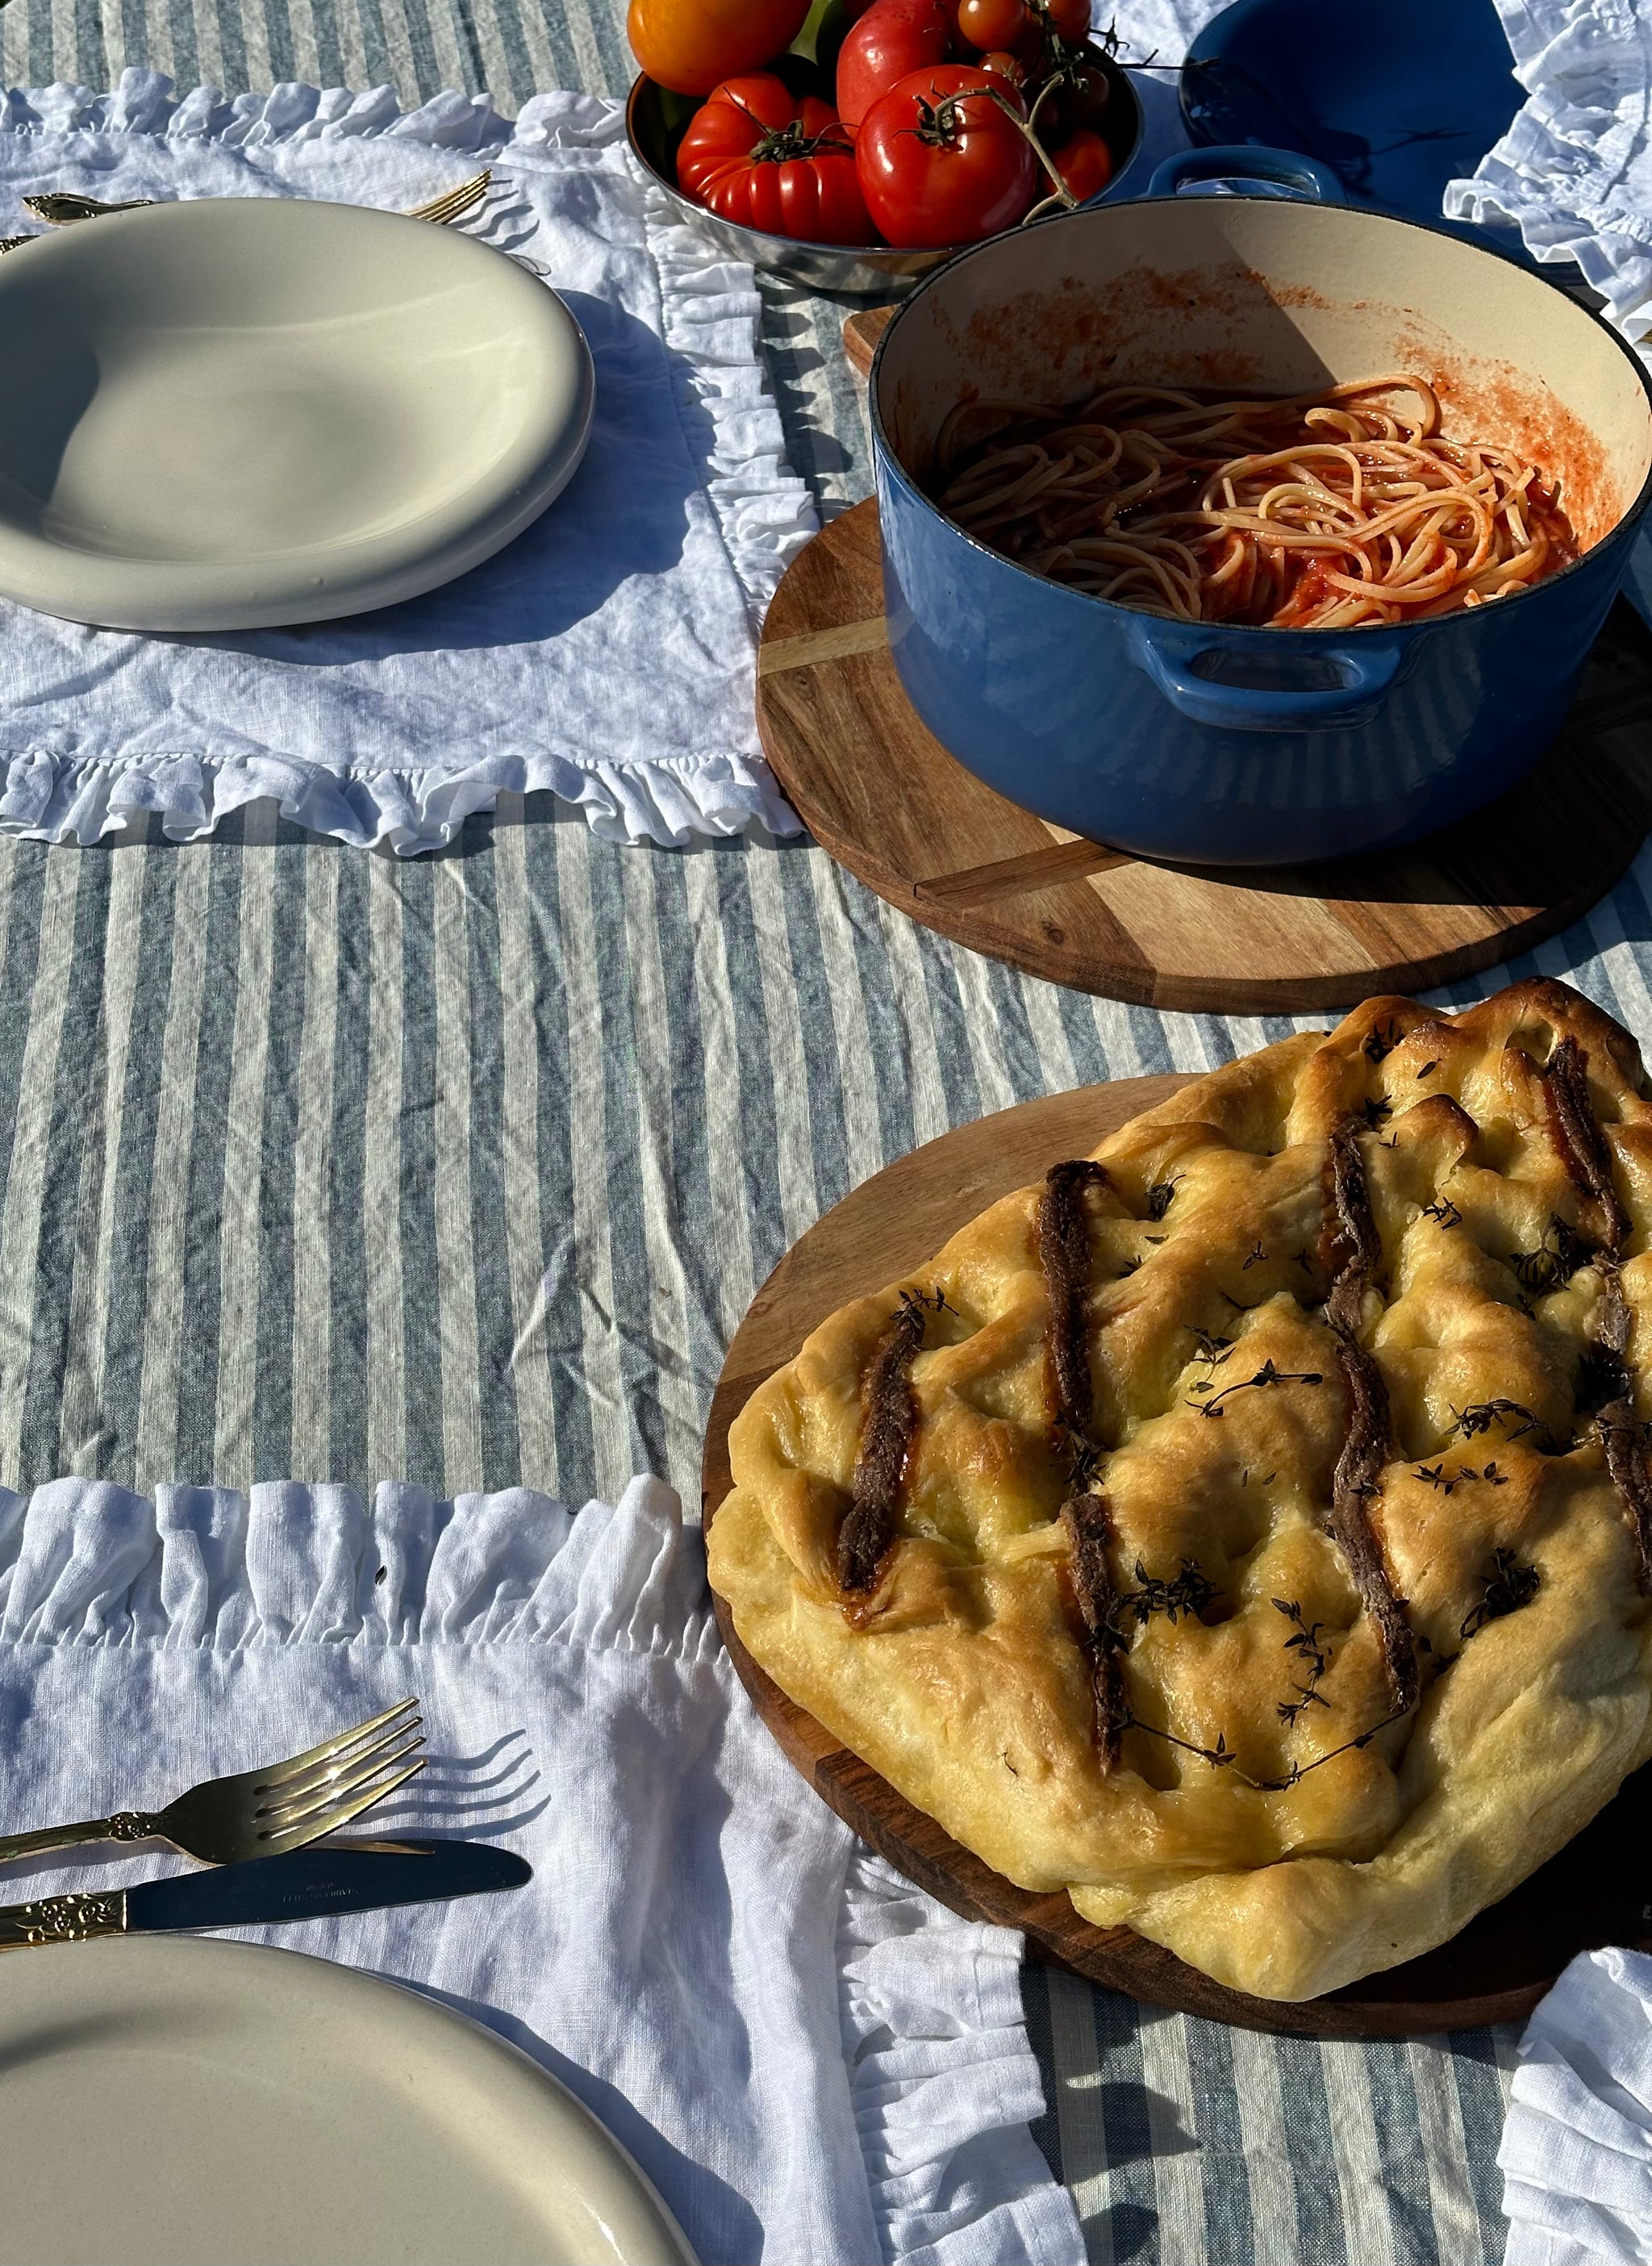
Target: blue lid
[(1398, 97)]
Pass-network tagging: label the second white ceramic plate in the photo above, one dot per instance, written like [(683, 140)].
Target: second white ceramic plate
[(233, 413), (181, 2101)]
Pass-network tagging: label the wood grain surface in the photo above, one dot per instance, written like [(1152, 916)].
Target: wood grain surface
[(1599, 1891), (887, 801), (862, 330)]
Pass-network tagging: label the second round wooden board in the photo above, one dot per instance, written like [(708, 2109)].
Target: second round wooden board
[(882, 795), (1594, 1892)]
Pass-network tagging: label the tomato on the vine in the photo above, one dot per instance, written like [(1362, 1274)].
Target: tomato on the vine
[(942, 159), (1005, 67), (992, 23), (755, 154), (1069, 19), (1085, 163), (692, 45), (893, 38)]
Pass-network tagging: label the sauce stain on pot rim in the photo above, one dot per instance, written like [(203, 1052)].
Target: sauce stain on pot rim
[(1060, 338)]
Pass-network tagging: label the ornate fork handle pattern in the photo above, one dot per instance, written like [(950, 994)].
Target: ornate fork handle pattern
[(63, 1919), (56, 206), (125, 1825)]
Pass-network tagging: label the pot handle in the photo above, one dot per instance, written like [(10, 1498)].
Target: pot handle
[(1284, 169), (1368, 672)]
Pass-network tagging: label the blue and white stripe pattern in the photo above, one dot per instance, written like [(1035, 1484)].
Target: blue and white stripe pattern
[(463, 1170)]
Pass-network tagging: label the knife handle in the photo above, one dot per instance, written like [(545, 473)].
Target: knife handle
[(63, 1919), (125, 1825)]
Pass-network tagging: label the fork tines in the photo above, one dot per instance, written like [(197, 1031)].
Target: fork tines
[(318, 1792), (455, 202)]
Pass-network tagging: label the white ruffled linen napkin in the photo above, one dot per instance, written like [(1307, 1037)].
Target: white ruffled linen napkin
[(816, 2064), (1573, 171), (1576, 2154), (608, 653)]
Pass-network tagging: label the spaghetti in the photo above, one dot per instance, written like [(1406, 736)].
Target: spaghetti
[(1326, 510)]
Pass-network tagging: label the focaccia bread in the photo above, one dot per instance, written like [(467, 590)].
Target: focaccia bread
[(1250, 1529)]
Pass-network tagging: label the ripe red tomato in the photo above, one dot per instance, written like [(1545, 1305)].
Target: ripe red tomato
[(893, 38), (992, 23), (1069, 19), (692, 45), (1085, 163), (1005, 67), (942, 160), (753, 153)]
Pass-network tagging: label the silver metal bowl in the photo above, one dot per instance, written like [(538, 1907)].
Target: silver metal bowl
[(654, 121)]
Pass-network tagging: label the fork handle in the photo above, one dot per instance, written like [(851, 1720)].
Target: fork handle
[(125, 1825)]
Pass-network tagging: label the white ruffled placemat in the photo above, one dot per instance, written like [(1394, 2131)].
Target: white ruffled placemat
[(1573, 171), (608, 653), (1576, 2154), (817, 2065)]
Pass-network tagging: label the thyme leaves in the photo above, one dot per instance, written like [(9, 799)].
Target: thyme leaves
[(1434, 1475), (1189, 1591), (1162, 1195), (1311, 1659), (1556, 1259), (1478, 1418), (1510, 1584)]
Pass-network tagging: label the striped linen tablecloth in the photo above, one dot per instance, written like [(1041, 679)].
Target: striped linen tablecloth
[(463, 1170)]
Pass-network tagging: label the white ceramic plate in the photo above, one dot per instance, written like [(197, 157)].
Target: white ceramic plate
[(176, 2101), (230, 414)]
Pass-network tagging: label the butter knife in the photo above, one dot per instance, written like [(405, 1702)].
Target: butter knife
[(268, 1891)]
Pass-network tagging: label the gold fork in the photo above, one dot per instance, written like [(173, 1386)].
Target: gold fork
[(260, 1813), (57, 208)]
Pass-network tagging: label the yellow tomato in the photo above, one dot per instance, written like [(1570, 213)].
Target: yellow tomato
[(692, 46)]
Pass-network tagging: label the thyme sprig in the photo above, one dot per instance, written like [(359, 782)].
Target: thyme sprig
[(1221, 1757), (1555, 1260), (1159, 1196), (1265, 1375), (1481, 1416), (1434, 1475), (1189, 1591), (1312, 1657), (1602, 1376), (1380, 1040), (1445, 1211), (1508, 1585)]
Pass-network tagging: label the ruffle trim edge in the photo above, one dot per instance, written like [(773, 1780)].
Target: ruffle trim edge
[(84, 1562), (763, 509), (943, 2081)]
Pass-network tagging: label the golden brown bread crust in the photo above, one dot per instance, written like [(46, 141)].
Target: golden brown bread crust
[(1279, 1809)]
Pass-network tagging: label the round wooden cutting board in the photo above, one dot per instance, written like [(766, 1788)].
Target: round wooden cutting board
[(887, 801), (1597, 1890)]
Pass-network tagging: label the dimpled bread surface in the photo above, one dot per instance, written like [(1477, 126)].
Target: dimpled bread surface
[(1268, 1813)]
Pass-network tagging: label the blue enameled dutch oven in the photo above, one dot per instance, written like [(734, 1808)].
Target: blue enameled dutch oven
[(1206, 742)]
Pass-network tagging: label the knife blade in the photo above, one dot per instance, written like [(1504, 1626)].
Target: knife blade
[(269, 1891)]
